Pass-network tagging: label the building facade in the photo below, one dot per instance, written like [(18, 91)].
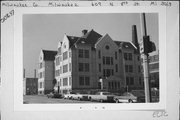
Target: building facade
[(46, 71), (84, 62), (30, 86), (154, 69)]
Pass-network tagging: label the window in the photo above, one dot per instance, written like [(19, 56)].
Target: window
[(87, 81), (65, 81), (127, 81), (86, 65), (128, 56), (65, 55), (107, 60), (81, 80), (99, 54), (131, 81), (80, 67), (125, 56), (83, 53), (57, 61), (107, 47), (40, 75), (103, 60), (86, 53), (116, 55), (116, 67), (70, 55), (57, 72), (140, 82), (111, 60), (41, 85), (40, 65), (65, 68), (99, 67), (80, 53), (70, 81), (129, 68), (108, 72), (59, 50), (70, 66)]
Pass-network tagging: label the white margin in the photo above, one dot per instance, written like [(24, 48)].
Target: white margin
[(18, 59)]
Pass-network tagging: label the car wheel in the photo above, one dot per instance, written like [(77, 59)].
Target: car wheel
[(130, 101), (79, 98)]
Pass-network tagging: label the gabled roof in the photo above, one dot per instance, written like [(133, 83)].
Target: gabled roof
[(127, 45), (89, 38), (72, 40), (49, 55)]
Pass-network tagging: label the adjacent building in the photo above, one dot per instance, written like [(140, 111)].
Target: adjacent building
[(30, 86), (46, 71), (154, 69), (82, 63)]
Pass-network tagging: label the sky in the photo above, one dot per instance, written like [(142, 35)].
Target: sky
[(44, 31)]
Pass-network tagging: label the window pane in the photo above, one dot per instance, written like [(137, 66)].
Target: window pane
[(99, 54), (126, 68), (59, 50), (125, 56), (87, 81), (70, 67), (80, 53), (86, 67), (111, 60), (107, 60), (86, 53), (65, 81), (65, 55), (70, 81), (99, 67), (130, 56), (116, 55), (81, 80), (80, 67), (131, 80), (103, 60), (116, 67), (65, 68), (130, 68)]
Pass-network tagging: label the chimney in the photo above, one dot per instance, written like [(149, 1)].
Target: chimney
[(34, 73), (84, 32), (134, 37), (24, 74)]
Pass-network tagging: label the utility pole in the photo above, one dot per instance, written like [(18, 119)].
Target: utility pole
[(146, 47)]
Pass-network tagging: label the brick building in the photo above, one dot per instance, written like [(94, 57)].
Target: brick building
[(46, 71), (82, 62)]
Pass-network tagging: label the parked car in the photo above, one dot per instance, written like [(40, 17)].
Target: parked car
[(69, 95), (101, 97), (126, 97), (54, 95), (78, 96)]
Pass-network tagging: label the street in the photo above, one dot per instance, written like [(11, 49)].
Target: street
[(35, 99)]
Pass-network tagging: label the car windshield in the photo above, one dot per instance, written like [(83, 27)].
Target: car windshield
[(107, 93)]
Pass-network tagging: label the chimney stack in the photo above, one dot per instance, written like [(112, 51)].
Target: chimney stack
[(84, 32), (24, 74), (34, 73), (134, 37)]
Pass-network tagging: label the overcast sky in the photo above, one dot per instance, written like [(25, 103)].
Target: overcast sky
[(43, 31)]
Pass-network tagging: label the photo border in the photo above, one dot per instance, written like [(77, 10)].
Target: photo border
[(18, 59)]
